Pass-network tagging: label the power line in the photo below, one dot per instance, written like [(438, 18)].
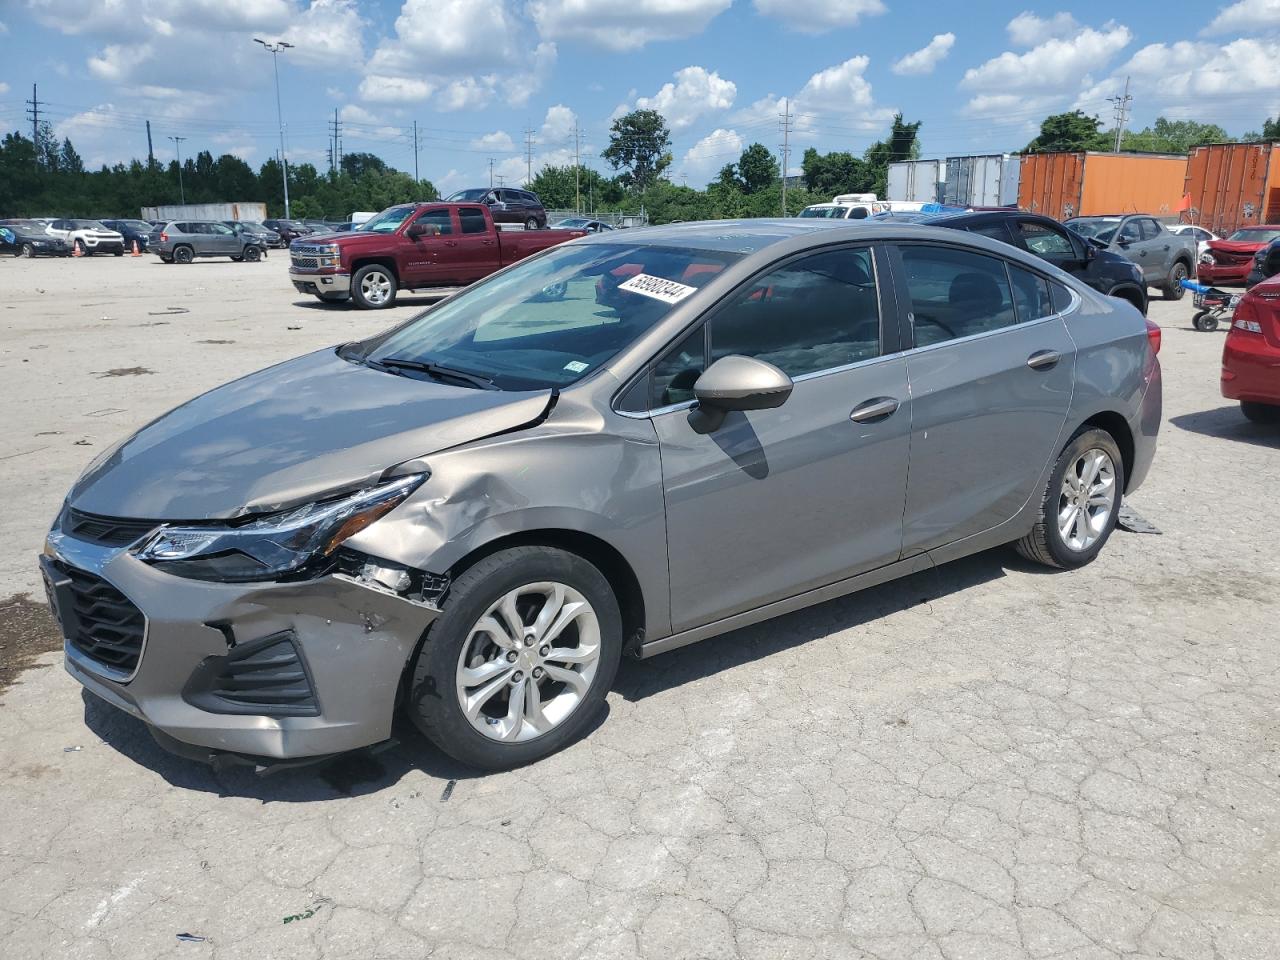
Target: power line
[(786, 124), (416, 178), (1121, 105)]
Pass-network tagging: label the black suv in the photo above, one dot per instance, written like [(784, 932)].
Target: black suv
[(133, 231), (1047, 239), (507, 205), (289, 230)]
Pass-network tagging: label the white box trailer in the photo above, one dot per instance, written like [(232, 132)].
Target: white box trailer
[(988, 180), (919, 181), (254, 212)]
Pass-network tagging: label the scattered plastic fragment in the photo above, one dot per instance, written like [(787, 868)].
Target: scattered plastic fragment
[(448, 790), (1129, 519), (167, 312), (191, 938), (308, 913), (72, 749)]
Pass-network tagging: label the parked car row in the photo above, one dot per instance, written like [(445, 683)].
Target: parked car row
[(41, 236), (182, 241)]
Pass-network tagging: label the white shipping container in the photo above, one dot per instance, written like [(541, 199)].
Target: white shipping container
[(982, 181), (920, 181), (207, 211)]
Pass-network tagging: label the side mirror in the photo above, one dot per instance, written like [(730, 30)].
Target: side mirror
[(1123, 241), (739, 383), (417, 230)]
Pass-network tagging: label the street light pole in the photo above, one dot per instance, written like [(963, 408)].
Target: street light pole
[(275, 48), (182, 193)]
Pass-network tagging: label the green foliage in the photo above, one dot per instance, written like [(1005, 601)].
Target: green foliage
[(829, 174), (1069, 131), (555, 187), (757, 169), (899, 145), (62, 187), (639, 146), (1171, 136)]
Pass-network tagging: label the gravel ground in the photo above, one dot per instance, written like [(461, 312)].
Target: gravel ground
[(984, 761)]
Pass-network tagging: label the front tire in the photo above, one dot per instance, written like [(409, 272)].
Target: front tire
[(27, 251), (1080, 503), (518, 664), (252, 254), (1173, 289), (373, 287), (1260, 412)]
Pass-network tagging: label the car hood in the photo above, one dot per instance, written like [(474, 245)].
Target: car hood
[(289, 434), (1237, 246)]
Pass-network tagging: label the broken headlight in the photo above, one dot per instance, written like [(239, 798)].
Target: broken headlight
[(268, 547)]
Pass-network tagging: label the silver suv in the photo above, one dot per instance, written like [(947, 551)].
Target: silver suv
[(619, 446), (181, 241)]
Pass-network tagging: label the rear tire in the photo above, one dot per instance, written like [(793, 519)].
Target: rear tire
[(1099, 491), (1204, 322), (373, 287), (1260, 412), (531, 223), (435, 695), (183, 254), (1173, 289)]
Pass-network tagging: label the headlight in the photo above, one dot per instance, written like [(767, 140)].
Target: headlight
[(1206, 257), (272, 546)]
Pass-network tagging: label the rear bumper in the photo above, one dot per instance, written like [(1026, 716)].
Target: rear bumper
[(318, 283), (1214, 273), (1145, 428), (1250, 369), (351, 642)]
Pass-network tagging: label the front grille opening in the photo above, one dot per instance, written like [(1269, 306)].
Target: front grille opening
[(105, 531), (102, 623), (266, 677)]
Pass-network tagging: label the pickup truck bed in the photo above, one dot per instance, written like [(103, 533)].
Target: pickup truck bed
[(421, 247)]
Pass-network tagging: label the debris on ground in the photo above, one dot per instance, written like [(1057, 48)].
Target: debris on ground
[(448, 790), (1130, 520), (72, 749), (167, 312), (191, 938), (308, 913), (125, 372)]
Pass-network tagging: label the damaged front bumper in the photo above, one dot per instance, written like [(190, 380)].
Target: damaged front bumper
[(271, 671)]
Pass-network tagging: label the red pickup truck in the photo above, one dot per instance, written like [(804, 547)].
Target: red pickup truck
[(414, 246)]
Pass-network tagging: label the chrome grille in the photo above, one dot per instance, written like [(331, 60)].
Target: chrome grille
[(309, 262)]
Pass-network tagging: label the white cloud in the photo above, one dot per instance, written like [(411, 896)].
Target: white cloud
[(378, 88), (925, 59), (115, 63), (558, 124), (695, 93), (1049, 73), (1177, 79), (706, 157), (4, 87), (4, 28), (497, 142), (1246, 16), (839, 91), (373, 126), (326, 31), (817, 16), (1029, 30), (624, 26)]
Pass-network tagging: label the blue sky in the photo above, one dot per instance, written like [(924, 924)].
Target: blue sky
[(476, 74)]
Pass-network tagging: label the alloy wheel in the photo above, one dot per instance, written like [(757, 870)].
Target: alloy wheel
[(528, 662), (376, 287), (1087, 499)]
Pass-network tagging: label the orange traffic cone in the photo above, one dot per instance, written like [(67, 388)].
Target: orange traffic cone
[(135, 250), (75, 249)]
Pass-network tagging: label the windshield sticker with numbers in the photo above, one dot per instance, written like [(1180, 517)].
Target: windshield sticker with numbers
[(668, 291)]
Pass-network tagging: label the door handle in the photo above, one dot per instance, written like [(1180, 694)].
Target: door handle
[(1043, 359), (451, 243), (872, 410), (487, 243)]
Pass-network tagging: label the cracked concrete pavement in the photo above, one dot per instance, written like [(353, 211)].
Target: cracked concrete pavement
[(983, 761)]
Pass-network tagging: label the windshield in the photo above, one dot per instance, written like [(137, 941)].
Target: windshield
[(388, 221), (825, 213), (571, 223), (1096, 228), (1254, 235), (87, 225), (554, 319), (467, 196)]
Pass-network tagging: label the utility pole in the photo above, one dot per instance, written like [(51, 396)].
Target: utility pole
[(151, 154), (528, 156), (417, 179), (333, 149), (274, 49), (491, 173), (502, 180), (1121, 112), (34, 114), (577, 168), (182, 193), (785, 117)]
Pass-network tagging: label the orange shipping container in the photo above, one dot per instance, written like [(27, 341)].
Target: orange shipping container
[(1083, 184), (1233, 185)]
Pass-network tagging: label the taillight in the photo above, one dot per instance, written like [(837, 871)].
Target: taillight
[(164, 238), (1246, 317), (1153, 335)]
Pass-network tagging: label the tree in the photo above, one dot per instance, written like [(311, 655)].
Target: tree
[(1068, 131), (899, 145), (556, 188), (1172, 136), (756, 168), (355, 164), (639, 145), (68, 160), (835, 173)]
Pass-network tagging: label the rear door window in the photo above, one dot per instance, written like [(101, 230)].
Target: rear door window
[(1031, 296), (472, 220), (1045, 241), (955, 293), (996, 230), (1150, 229)]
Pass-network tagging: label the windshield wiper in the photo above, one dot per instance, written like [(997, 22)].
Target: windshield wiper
[(436, 371)]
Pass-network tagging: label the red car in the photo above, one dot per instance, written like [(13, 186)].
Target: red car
[(1229, 260), (1251, 355)]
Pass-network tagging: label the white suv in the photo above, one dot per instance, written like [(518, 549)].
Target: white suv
[(87, 236)]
